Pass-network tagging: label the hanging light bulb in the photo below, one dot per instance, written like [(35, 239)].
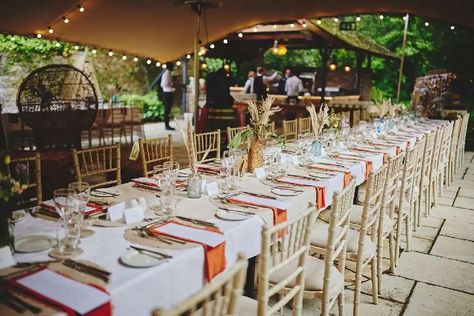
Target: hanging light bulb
[(178, 63), (274, 26), (240, 35), (255, 29), (94, 51), (204, 66), (202, 51), (292, 25), (50, 30), (225, 41), (148, 61), (163, 66), (347, 68), (381, 17), (13, 38), (212, 46), (65, 20), (110, 53), (135, 59), (226, 67), (58, 44), (76, 47), (81, 8), (39, 35), (318, 21), (404, 18), (158, 64), (358, 18), (124, 57), (336, 19), (188, 56), (427, 23), (304, 25), (452, 27)]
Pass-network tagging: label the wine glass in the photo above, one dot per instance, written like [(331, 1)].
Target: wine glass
[(63, 202), (81, 192)]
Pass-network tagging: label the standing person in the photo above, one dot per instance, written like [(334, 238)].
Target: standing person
[(168, 93), (293, 86), (260, 83), (248, 87)]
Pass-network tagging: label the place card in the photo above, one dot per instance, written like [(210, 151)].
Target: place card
[(115, 212), (212, 189), (133, 215), (259, 173), (67, 292), (134, 152), (6, 257)]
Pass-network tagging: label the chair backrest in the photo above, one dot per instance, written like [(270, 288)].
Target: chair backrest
[(463, 132), (455, 138), (208, 146), (232, 131), (427, 156), (217, 298), (409, 176), (420, 155), (304, 125), (394, 169), (155, 151), (27, 170), (372, 206), (446, 144), (437, 151), (290, 129), (100, 166), (282, 245)]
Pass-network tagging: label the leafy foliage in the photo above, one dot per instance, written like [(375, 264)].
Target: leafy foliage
[(152, 107)]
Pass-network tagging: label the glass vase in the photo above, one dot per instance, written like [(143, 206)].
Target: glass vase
[(194, 186), (255, 154), (316, 148)]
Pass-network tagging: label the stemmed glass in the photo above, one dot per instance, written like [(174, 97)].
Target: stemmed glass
[(80, 194), (165, 178), (68, 230)]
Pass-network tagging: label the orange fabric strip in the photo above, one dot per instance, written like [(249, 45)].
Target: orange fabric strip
[(320, 197), (347, 174)]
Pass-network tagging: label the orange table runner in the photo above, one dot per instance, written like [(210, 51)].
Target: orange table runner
[(214, 256), (320, 193), (385, 155), (279, 215), (368, 164), (347, 174)]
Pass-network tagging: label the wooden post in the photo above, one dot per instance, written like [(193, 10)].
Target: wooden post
[(196, 68), (359, 60), (184, 82), (407, 17), (325, 53)]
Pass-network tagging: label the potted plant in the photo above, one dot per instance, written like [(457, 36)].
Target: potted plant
[(257, 132)]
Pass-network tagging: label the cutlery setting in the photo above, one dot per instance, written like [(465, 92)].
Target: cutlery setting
[(87, 269)]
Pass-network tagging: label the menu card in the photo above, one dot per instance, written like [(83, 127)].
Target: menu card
[(70, 293)]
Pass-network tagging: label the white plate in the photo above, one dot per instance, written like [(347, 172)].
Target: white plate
[(231, 216), (284, 192), (34, 243), (18, 216), (136, 259), (103, 192)]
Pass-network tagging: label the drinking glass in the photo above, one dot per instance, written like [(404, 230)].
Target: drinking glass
[(81, 193), (168, 205), (63, 202)]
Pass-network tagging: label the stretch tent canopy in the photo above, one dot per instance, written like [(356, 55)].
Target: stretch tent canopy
[(164, 31)]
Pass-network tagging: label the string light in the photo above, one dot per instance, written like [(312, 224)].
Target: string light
[(163, 66), (135, 59), (427, 23), (158, 64), (226, 67), (212, 46), (274, 26), (404, 18), (318, 21), (58, 44), (124, 57), (110, 53), (65, 20), (204, 66), (358, 18), (381, 17), (292, 25), (255, 29), (188, 56), (50, 30), (39, 35), (225, 41), (452, 27), (240, 35), (148, 61), (81, 8), (347, 68), (76, 47), (336, 19), (94, 51), (13, 38), (178, 63), (304, 24)]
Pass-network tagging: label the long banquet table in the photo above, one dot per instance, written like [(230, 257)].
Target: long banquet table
[(139, 290)]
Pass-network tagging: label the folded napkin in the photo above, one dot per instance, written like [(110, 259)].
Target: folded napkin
[(211, 239), (90, 209), (320, 191), (208, 168), (368, 163), (385, 155), (62, 292), (151, 183), (347, 173), (279, 208)]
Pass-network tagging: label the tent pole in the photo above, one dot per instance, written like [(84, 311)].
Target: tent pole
[(407, 17), (196, 69), (184, 62)]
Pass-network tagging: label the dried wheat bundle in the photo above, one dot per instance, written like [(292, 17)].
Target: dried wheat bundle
[(188, 138)]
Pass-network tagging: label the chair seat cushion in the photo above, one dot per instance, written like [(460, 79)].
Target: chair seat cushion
[(247, 306), (314, 276)]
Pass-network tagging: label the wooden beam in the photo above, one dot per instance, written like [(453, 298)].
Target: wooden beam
[(325, 53)]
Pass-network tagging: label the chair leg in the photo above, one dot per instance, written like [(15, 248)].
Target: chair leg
[(358, 276), (408, 231), (379, 263), (375, 297), (340, 303), (397, 239), (391, 246)]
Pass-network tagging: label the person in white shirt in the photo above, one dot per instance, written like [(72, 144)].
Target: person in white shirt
[(168, 93), (293, 86), (248, 87), (261, 81)]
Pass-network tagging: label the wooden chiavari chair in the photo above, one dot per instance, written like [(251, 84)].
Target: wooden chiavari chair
[(424, 194), (220, 297), (433, 175), (453, 150), (27, 170), (462, 141), (100, 166), (290, 129), (415, 197), (404, 200), (232, 131), (444, 158), (330, 241), (155, 151), (304, 125), (208, 146), (283, 261)]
